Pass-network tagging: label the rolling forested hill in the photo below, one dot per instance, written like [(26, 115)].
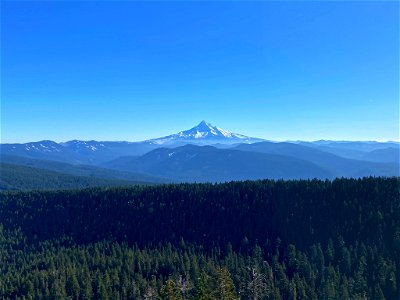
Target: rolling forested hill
[(306, 239), (80, 170), (16, 177)]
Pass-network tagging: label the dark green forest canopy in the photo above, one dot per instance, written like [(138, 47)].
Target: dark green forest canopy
[(305, 239), (298, 212), (22, 178)]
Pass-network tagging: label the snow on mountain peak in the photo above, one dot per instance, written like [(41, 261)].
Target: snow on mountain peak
[(205, 128), (204, 132)]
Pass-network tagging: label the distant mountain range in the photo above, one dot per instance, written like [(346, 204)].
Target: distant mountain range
[(94, 152), (206, 153)]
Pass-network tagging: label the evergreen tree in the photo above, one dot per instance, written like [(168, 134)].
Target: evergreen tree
[(170, 291), (225, 287), (204, 286)]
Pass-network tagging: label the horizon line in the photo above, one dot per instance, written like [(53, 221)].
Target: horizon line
[(263, 140)]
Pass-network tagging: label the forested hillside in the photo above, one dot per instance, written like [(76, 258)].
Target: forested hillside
[(15, 177), (254, 240), (80, 170)]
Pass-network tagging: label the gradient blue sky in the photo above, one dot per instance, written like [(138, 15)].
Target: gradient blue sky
[(137, 70)]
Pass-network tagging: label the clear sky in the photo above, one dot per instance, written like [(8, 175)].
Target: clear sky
[(136, 70)]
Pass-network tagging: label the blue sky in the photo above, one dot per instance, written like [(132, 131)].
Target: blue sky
[(137, 70)]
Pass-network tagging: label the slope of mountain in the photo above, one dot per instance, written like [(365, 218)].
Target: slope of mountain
[(206, 163), (43, 149), (338, 165), (81, 170), (390, 154), (76, 152), (370, 151), (104, 151), (16, 177), (205, 134), (364, 146)]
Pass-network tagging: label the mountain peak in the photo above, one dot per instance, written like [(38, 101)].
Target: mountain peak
[(206, 128), (204, 133), (205, 123)]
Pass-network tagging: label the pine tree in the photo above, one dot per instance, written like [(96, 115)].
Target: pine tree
[(72, 287), (257, 285), (170, 291), (184, 286), (204, 288), (225, 287)]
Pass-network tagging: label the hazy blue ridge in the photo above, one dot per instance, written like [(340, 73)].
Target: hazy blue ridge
[(81, 170)]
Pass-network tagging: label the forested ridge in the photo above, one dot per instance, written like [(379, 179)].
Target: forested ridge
[(18, 177), (306, 239)]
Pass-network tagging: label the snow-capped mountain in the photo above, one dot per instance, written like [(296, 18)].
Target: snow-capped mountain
[(95, 152), (33, 147), (84, 146), (204, 133)]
